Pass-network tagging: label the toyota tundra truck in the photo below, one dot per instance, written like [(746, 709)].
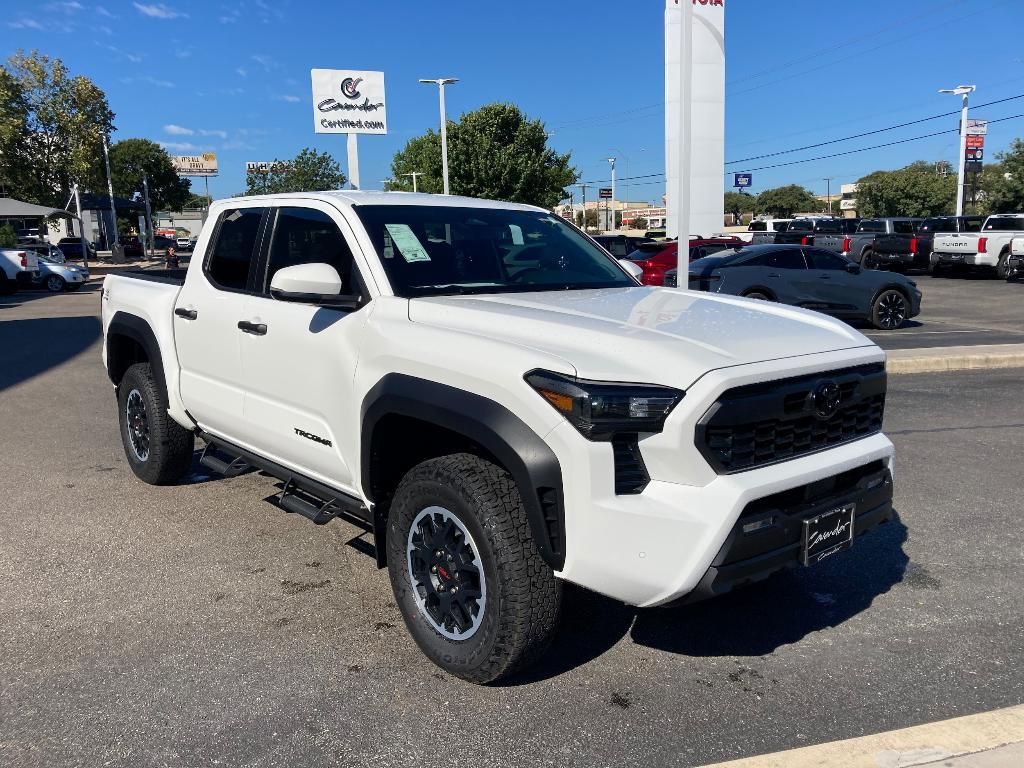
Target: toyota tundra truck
[(989, 248), (501, 405)]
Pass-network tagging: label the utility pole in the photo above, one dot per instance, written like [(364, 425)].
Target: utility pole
[(110, 191), (149, 216), (962, 91), (414, 174), (828, 194), (611, 224), (583, 225), (81, 229), (441, 82)]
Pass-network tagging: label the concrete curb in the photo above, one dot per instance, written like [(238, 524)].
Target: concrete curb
[(939, 359)]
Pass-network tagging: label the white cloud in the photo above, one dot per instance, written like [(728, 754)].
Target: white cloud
[(242, 72), (149, 81), (178, 146), (210, 132), (289, 98), (264, 61), (181, 130), (104, 12), (24, 23), (159, 11), (132, 57), (178, 130)]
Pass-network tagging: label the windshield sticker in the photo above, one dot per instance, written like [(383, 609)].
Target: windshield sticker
[(407, 243), (389, 249)]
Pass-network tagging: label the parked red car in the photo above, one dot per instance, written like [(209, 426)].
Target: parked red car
[(656, 258)]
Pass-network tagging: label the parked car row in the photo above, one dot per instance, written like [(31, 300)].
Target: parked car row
[(808, 277)]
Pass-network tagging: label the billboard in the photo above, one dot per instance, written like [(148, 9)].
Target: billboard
[(266, 166), (348, 101), (707, 114), (743, 180), (976, 127), (195, 165)]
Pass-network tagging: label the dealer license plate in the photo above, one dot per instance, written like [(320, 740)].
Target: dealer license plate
[(827, 534)]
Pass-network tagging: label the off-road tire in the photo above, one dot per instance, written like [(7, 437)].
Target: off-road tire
[(523, 597), (169, 444), (868, 260)]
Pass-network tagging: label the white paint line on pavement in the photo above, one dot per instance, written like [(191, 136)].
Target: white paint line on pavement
[(915, 746)]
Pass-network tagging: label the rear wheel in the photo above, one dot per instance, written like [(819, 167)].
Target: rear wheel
[(868, 260), (889, 311), (159, 450), (1003, 265), (759, 295), (7, 286), (472, 588)]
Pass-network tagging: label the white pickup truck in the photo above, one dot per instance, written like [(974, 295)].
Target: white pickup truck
[(502, 405), (988, 248), (18, 268)]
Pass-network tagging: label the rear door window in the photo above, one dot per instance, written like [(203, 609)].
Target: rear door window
[(232, 254), (308, 236), (827, 260)]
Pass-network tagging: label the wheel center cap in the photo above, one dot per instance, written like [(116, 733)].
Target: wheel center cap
[(443, 573)]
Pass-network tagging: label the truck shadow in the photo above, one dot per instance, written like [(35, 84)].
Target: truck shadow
[(29, 348), (752, 621)]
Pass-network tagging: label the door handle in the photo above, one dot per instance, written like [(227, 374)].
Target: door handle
[(188, 314), (774, 274), (256, 329), (824, 277)]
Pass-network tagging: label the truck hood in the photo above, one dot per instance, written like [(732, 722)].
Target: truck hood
[(642, 334)]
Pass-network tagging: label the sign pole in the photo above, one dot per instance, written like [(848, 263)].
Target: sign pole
[(149, 216), (684, 141), (353, 160), (110, 190), (81, 229)]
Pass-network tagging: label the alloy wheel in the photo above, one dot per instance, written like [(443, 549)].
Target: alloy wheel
[(446, 573), (892, 310), (137, 424)]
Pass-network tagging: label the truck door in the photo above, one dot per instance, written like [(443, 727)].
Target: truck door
[(206, 316), (299, 408)]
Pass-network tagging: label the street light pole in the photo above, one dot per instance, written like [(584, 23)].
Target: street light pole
[(414, 174), (828, 194), (611, 224), (441, 82), (963, 91), (149, 216)]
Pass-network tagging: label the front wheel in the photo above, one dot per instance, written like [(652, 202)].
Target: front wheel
[(472, 588), (55, 284), (868, 260), (889, 310), (159, 450)]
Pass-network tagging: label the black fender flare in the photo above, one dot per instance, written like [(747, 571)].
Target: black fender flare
[(137, 329), (530, 461)]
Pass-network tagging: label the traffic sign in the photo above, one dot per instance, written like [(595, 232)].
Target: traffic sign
[(743, 180), (605, 193)]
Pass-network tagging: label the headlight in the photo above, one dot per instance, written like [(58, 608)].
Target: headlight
[(601, 409)]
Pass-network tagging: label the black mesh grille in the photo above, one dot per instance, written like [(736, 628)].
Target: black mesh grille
[(764, 424)]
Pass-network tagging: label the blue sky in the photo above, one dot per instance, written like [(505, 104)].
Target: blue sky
[(232, 76)]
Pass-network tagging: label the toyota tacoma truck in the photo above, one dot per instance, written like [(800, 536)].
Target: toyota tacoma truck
[(988, 248), (501, 405)]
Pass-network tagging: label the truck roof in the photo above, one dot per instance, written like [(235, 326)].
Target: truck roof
[(352, 197)]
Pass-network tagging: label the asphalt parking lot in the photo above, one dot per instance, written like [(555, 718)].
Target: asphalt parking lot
[(973, 308), (198, 625)]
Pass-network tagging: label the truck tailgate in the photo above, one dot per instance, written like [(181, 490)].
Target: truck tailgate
[(966, 243)]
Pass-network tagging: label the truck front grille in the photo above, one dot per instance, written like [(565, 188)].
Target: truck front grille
[(761, 424)]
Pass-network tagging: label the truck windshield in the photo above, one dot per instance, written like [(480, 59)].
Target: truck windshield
[(433, 250), (1005, 224)]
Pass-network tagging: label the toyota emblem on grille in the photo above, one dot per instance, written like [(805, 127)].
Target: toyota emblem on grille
[(826, 399)]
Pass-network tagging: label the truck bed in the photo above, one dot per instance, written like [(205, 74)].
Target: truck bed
[(170, 276)]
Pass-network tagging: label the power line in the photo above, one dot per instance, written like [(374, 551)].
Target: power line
[(869, 133)]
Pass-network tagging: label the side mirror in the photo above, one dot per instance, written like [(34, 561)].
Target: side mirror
[(853, 269), (632, 268), (312, 284)]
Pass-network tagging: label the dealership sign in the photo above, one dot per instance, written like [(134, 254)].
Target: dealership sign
[(263, 166), (195, 165), (976, 127), (743, 180), (348, 101)]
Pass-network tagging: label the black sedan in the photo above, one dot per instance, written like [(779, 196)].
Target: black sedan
[(807, 277)]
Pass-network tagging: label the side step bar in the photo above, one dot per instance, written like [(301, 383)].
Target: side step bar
[(301, 495)]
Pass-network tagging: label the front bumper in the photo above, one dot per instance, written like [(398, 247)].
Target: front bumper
[(767, 537)]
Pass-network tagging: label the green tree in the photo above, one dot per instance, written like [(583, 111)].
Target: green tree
[(785, 201), (738, 203), (51, 130), (919, 189), (591, 218), (308, 171), (1001, 184), (131, 159), (639, 223), (494, 152), (198, 201), (8, 237)]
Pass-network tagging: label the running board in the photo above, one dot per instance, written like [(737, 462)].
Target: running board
[(300, 494)]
